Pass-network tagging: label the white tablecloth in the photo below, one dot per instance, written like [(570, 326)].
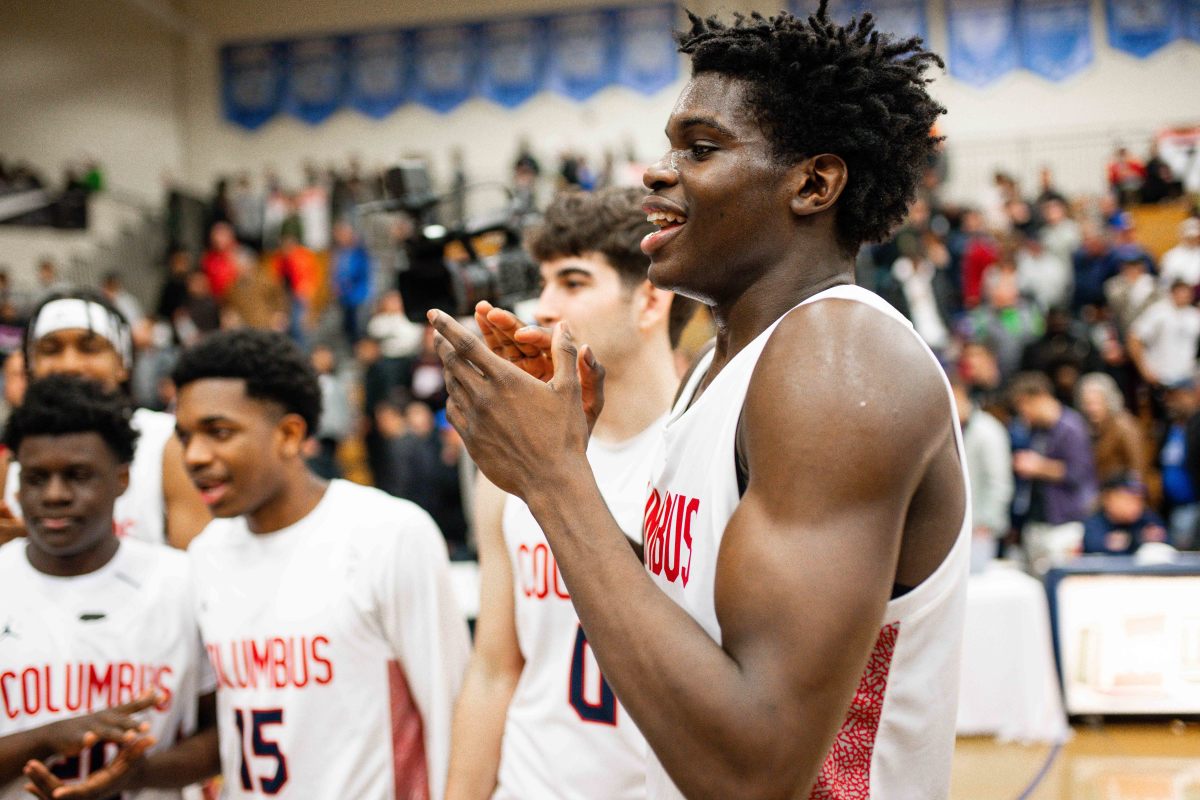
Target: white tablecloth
[(1009, 688)]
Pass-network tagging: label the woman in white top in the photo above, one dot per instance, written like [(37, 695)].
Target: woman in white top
[(79, 332)]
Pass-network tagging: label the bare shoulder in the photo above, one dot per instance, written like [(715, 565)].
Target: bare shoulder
[(850, 382)]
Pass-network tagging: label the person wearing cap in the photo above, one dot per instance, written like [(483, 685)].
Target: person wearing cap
[(1123, 523), (1182, 262), (1162, 341), (79, 332)]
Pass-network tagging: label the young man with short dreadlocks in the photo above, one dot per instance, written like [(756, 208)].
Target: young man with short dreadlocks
[(796, 626)]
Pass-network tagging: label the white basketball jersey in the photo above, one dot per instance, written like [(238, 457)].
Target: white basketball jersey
[(898, 736), (72, 646), (339, 649), (566, 736), (140, 512)]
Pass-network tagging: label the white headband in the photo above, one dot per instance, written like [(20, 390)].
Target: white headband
[(76, 313)]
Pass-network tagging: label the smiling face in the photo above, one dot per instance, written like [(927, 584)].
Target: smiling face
[(78, 351), (589, 295), (67, 488), (721, 199), (234, 447)]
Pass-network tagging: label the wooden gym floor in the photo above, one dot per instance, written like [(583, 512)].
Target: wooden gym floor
[(1113, 761)]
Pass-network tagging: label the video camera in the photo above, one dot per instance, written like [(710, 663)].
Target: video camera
[(453, 266)]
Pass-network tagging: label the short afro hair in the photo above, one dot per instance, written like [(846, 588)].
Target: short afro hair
[(817, 87), (271, 365), (609, 222), (58, 405)]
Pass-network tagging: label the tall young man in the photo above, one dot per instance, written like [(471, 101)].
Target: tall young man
[(326, 608), (80, 332), (796, 626), (536, 718), (96, 629)]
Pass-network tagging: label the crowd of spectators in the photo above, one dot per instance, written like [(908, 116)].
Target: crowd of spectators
[(1072, 351), (1073, 355)]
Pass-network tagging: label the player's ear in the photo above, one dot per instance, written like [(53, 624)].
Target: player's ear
[(293, 432), (817, 183), (123, 477), (654, 305)]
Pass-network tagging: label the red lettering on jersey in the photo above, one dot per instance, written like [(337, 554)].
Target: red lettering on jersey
[(125, 691), (538, 573), (122, 527), (282, 675), (259, 659), (77, 703), (49, 692), (96, 684), (5, 677), (320, 659), (163, 687), (32, 696), (667, 535)]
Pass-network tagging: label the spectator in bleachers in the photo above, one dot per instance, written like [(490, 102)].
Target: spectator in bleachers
[(336, 420), (980, 371), (352, 277), (1048, 191), (1125, 176), (1182, 262), (1060, 235), (1042, 275), (247, 206), (924, 291), (1160, 183), (120, 297), (312, 206), (224, 261), (1056, 477), (1163, 340), (988, 455), (977, 250), (1005, 320), (1179, 460), (398, 336), (173, 294), (1092, 265), (1118, 447), (1123, 523), (48, 281), (1063, 353), (1130, 292), (295, 266)]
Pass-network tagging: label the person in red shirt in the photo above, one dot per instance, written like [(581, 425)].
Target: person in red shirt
[(222, 261)]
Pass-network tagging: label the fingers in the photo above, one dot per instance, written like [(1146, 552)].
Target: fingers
[(565, 356), (508, 325), (41, 781), (459, 347), (591, 383), (137, 704)]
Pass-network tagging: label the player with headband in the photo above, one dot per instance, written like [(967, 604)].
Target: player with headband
[(78, 332)]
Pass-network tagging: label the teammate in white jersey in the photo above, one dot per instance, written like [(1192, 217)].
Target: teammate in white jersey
[(809, 521), (79, 332), (536, 718), (326, 608), (95, 629)]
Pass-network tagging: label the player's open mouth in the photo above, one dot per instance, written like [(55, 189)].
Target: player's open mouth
[(669, 222), (212, 492)]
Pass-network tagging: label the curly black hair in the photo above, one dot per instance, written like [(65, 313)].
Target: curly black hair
[(609, 222), (818, 87), (63, 404), (272, 366)]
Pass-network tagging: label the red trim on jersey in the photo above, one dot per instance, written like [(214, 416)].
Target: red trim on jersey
[(409, 765), (846, 773)]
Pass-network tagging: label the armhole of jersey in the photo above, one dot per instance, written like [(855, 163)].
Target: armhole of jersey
[(741, 464), (687, 376)]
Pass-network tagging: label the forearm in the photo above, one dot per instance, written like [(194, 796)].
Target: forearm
[(19, 748), (193, 760), (477, 732), (717, 737)]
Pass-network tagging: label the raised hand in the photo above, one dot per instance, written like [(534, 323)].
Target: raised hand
[(11, 527), (113, 778), (529, 347), (513, 425)]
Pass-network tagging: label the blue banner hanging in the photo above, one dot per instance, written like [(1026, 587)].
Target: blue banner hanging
[(253, 82), (903, 19), (982, 40), (1055, 37), (648, 59), (582, 53), (444, 61), (316, 85), (378, 72), (1139, 27), (513, 60)]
